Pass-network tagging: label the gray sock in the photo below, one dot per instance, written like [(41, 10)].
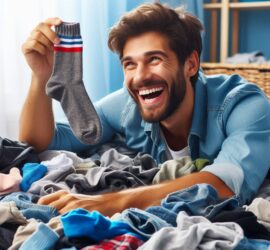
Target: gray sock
[(66, 85)]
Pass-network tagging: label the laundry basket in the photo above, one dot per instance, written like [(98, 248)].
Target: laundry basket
[(255, 73)]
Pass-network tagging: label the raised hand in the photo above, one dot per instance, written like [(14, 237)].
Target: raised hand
[(38, 49)]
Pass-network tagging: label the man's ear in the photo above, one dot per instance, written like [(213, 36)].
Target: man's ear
[(192, 64)]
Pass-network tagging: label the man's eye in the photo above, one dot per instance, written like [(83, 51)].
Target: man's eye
[(154, 59), (128, 65)]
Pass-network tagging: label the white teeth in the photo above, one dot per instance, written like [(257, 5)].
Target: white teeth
[(149, 91)]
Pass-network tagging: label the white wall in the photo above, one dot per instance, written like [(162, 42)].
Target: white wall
[(17, 18)]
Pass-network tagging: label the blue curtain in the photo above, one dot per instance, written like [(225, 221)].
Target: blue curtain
[(102, 70)]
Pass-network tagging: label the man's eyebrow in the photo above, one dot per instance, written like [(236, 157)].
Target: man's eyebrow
[(156, 52), (125, 58), (148, 53)]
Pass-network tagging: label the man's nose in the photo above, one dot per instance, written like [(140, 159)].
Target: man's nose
[(142, 74)]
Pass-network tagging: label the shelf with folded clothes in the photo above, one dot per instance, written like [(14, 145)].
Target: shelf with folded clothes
[(228, 10)]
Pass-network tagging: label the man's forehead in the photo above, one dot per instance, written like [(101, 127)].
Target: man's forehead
[(145, 44)]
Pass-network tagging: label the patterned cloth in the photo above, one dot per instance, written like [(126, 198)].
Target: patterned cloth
[(121, 242)]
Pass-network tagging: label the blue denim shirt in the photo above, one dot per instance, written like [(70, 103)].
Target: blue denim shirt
[(230, 127)]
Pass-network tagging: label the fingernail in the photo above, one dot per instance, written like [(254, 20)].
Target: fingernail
[(56, 40)]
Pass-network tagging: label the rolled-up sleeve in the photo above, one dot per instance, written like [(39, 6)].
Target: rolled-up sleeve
[(244, 158)]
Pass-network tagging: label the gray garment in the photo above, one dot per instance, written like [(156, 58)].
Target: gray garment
[(82, 168), (118, 142), (81, 165), (51, 187), (252, 57), (261, 208), (195, 232), (49, 154), (172, 169), (58, 168), (116, 172), (66, 86)]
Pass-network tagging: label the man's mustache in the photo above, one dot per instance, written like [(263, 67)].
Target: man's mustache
[(148, 83)]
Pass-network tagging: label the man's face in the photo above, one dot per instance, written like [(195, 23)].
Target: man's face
[(153, 75)]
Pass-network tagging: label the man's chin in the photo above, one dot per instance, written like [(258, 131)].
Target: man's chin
[(151, 118), (161, 116)]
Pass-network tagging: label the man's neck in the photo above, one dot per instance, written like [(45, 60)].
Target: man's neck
[(176, 127)]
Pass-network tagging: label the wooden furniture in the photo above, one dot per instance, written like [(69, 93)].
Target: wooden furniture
[(225, 7), (254, 73)]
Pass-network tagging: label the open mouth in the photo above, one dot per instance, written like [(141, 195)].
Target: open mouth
[(148, 95)]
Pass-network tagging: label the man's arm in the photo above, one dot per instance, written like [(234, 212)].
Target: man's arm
[(36, 120), (141, 197)]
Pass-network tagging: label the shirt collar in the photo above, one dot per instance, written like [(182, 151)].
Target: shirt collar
[(199, 117)]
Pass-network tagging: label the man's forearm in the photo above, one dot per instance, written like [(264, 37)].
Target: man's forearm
[(141, 197), (144, 197), (36, 120)]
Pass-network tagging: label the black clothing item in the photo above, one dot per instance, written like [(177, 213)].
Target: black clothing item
[(7, 232), (246, 220), (80, 242), (14, 153)]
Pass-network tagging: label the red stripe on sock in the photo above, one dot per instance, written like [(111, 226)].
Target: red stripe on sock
[(62, 49)]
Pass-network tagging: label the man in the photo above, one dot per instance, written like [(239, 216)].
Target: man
[(167, 108)]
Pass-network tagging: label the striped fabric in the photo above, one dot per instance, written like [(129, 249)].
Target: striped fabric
[(69, 44)]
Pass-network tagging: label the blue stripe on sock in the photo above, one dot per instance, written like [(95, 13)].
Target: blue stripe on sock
[(71, 42)]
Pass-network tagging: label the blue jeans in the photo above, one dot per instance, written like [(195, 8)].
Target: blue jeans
[(142, 222), (199, 199), (26, 204), (252, 244)]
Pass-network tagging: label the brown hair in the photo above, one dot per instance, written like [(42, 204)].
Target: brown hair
[(181, 28)]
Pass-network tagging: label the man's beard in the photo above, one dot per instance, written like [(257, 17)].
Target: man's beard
[(177, 94)]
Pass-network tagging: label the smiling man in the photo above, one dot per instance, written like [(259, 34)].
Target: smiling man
[(168, 108)]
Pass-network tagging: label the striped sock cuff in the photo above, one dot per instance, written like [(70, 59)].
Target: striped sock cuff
[(70, 37)]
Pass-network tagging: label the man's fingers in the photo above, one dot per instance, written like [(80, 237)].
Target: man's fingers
[(33, 45), (47, 32), (42, 39), (53, 21), (50, 198), (66, 203)]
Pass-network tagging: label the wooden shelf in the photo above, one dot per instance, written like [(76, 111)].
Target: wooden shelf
[(239, 6), (212, 6), (250, 5), (225, 7)]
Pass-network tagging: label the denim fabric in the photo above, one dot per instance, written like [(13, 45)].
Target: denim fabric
[(200, 199), (163, 213), (142, 222), (26, 204), (230, 127), (251, 244), (195, 232)]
